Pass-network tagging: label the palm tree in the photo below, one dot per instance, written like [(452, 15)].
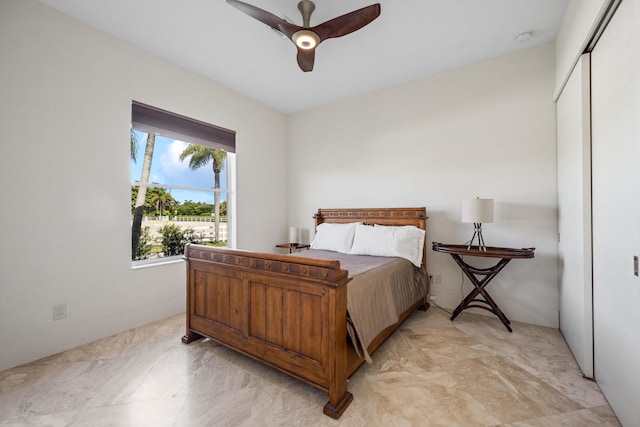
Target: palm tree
[(161, 199), (201, 156), (134, 146), (142, 194)]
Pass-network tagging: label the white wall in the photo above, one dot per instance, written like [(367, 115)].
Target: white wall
[(483, 130), (65, 110)]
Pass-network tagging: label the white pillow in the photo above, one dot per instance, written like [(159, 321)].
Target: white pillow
[(405, 242), (334, 237)]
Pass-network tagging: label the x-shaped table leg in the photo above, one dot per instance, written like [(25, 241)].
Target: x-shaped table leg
[(479, 289)]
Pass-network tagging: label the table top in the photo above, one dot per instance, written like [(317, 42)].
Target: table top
[(292, 245), (490, 252)]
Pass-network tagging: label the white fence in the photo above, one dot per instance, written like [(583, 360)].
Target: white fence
[(199, 225), (195, 219)]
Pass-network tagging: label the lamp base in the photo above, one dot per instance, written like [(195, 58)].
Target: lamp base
[(477, 232)]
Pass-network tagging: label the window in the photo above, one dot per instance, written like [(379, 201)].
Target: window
[(182, 175)]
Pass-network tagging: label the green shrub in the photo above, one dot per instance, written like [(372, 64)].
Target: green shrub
[(174, 239), (144, 246)]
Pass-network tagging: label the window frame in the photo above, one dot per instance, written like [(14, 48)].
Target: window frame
[(148, 119)]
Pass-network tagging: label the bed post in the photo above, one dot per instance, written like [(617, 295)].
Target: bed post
[(189, 335), (339, 397)]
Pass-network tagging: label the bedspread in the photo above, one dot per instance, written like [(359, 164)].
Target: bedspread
[(381, 289)]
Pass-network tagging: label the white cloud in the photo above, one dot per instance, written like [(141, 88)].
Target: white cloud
[(176, 171), (170, 160)]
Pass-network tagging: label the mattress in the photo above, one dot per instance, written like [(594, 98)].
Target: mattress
[(380, 290)]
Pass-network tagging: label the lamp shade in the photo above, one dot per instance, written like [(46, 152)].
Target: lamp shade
[(293, 235), (477, 210)]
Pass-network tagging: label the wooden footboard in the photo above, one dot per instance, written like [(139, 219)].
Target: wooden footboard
[(287, 312)]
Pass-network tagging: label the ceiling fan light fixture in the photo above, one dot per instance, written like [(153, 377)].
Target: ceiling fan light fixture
[(305, 39)]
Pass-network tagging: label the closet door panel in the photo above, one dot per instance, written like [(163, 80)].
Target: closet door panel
[(616, 211), (574, 222)]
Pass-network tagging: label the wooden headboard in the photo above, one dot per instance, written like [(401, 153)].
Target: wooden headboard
[(380, 216)]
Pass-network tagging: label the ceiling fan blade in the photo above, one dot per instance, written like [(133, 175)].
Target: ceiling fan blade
[(286, 28), (345, 24), (306, 58)]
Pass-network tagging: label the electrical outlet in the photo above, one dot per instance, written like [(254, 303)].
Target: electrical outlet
[(59, 311), (432, 297), (435, 279)]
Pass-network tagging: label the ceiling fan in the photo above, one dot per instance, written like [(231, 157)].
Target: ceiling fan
[(307, 38)]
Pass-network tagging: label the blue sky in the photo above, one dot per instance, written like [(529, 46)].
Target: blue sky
[(166, 168)]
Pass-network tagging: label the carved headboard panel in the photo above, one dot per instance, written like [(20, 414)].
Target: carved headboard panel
[(382, 216)]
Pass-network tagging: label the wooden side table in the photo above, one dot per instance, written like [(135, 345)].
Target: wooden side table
[(504, 254), (293, 246)]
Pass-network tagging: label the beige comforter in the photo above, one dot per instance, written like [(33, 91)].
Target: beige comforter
[(381, 289)]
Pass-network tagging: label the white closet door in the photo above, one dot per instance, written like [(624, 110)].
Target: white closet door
[(574, 220), (615, 77)]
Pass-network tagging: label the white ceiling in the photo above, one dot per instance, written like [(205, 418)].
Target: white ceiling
[(410, 39)]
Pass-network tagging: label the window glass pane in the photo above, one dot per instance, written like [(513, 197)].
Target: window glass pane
[(180, 196), (167, 168)]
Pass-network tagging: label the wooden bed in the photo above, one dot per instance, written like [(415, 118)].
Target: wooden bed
[(287, 312)]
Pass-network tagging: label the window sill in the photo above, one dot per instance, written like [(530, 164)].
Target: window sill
[(146, 263)]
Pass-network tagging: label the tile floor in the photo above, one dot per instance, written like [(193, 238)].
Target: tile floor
[(432, 372)]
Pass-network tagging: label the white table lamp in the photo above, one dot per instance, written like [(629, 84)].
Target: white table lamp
[(477, 211), (293, 235)]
